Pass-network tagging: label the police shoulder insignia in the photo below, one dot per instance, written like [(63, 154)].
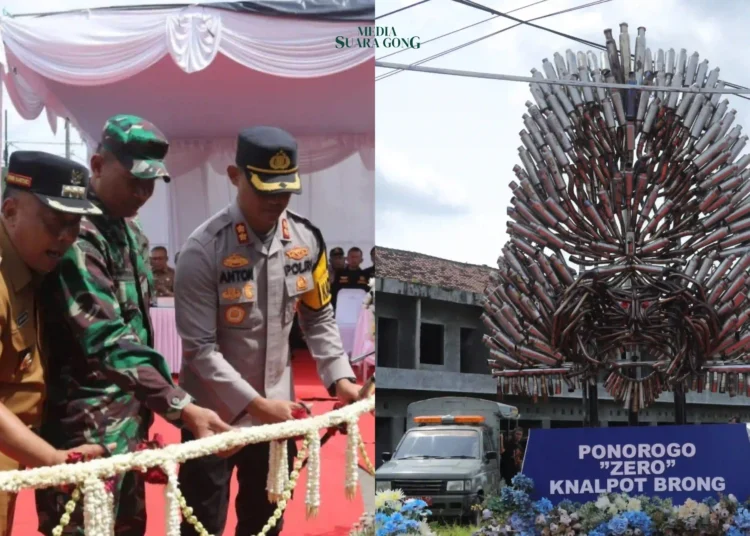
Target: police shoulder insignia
[(249, 291), (234, 314), (301, 283), (285, 230), (231, 293), (297, 253), (235, 261), (242, 236)]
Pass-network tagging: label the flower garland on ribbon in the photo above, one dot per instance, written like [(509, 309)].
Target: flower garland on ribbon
[(160, 466)]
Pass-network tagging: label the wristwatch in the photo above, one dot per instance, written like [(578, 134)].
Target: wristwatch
[(332, 388)]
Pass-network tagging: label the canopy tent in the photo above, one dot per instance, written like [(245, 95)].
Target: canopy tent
[(202, 73)]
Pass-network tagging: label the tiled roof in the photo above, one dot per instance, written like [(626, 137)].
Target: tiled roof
[(412, 267)]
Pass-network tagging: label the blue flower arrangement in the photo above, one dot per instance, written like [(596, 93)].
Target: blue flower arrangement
[(397, 515), (513, 512)]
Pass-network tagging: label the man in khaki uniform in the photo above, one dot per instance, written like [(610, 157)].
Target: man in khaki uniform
[(163, 273), (242, 276), (43, 200)]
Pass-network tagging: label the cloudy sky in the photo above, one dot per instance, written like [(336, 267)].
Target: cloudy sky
[(446, 145)]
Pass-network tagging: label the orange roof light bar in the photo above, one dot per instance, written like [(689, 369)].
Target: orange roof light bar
[(428, 420), (448, 419), (468, 419)]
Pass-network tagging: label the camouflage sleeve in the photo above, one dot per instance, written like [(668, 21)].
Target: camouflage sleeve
[(93, 313), (319, 325)]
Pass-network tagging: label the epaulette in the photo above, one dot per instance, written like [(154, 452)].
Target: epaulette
[(307, 223), (212, 227)]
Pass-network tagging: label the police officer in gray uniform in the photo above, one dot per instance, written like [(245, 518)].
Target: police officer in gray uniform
[(240, 279)]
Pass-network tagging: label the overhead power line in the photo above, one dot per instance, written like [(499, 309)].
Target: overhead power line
[(464, 45), (575, 83), (399, 10), (493, 17), (481, 7)]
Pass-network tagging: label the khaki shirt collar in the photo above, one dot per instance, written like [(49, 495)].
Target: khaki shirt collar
[(19, 274)]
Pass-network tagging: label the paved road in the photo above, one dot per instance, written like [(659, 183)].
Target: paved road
[(367, 484)]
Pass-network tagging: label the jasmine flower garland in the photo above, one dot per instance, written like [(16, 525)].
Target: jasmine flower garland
[(93, 475)]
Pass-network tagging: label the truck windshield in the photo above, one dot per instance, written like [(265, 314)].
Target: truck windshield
[(439, 444)]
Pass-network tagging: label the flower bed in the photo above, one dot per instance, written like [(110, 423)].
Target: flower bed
[(514, 513), (396, 515)]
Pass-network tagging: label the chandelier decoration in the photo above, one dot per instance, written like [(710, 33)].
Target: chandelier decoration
[(629, 233)]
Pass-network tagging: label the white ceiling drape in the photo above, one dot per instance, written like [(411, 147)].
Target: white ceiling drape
[(203, 74)]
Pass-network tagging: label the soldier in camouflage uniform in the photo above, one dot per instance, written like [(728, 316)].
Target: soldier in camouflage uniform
[(108, 379)]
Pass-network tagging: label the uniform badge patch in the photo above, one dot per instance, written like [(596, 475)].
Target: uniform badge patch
[(301, 283), (235, 261), (241, 231), (18, 180), (297, 253), (285, 230), (235, 314), (280, 161), (76, 178), (231, 293), (248, 291), (22, 318)]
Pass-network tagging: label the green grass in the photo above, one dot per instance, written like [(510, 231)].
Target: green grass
[(452, 530)]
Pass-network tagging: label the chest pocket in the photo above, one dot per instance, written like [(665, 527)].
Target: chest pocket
[(296, 286), (237, 303), (127, 297), (19, 359)]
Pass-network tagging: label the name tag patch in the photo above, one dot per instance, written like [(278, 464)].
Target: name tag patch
[(236, 276), (297, 268)]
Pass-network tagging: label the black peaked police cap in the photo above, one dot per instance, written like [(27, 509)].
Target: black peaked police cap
[(268, 156), (59, 183)]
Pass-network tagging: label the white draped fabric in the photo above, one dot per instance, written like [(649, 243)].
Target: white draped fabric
[(203, 74), (108, 46)]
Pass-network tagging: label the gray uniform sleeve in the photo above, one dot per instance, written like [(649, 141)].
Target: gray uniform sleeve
[(319, 325), (196, 307)]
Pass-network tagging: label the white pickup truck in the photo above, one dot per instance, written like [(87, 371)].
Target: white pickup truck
[(448, 456)]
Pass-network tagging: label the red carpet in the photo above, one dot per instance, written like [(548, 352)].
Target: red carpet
[(336, 516)]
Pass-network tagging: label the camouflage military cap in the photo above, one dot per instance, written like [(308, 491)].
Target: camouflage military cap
[(138, 145)]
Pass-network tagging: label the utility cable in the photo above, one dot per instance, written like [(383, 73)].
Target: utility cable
[(493, 17), (464, 45), (399, 10)]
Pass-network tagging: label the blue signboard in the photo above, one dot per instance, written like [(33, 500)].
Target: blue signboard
[(678, 462)]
